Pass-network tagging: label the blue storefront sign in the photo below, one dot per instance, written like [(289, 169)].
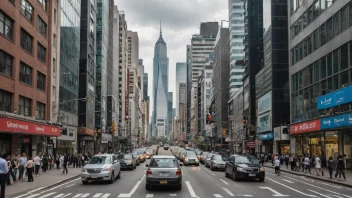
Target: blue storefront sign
[(339, 121), (266, 136), (341, 96)]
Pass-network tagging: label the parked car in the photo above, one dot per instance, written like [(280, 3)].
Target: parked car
[(149, 153), (218, 162), (202, 157), (101, 168), (141, 155), (182, 155), (163, 171), (207, 159), (127, 161), (244, 167), (190, 158), (136, 156)]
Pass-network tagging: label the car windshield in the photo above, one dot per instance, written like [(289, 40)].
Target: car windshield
[(149, 150), (140, 152), (191, 153), (205, 153), (126, 157), (246, 160), (198, 152), (100, 160), (163, 163), (218, 157), (210, 155)]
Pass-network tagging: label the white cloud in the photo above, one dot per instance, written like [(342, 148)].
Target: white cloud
[(180, 20)]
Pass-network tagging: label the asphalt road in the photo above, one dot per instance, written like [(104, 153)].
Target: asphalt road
[(198, 182)]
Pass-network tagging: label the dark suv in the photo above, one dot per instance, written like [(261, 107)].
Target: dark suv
[(243, 167)]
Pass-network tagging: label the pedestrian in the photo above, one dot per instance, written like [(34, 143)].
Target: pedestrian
[(307, 163), (277, 166), (57, 161), (45, 161), (340, 168), (330, 166), (14, 162), (37, 164), (51, 161), (29, 167), (22, 163), (3, 176), (318, 165), (8, 179), (64, 164)]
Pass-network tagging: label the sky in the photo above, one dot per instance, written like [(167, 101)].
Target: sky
[(180, 19)]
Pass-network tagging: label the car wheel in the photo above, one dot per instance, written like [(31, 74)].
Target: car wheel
[(119, 175), (211, 167), (112, 178), (179, 187), (261, 179), (234, 176), (148, 187), (134, 167), (197, 164), (85, 182)]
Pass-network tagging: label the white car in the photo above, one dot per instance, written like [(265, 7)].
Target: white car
[(104, 167)]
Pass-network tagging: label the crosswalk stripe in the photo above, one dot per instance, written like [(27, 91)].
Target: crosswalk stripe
[(47, 195), (106, 195), (217, 196), (78, 195), (173, 195), (98, 195), (66, 195), (149, 195), (59, 195), (33, 195), (288, 181), (85, 195)]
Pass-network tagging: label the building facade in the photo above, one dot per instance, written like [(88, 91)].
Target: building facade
[(145, 86), (169, 111), (181, 77), (189, 87), (320, 77)]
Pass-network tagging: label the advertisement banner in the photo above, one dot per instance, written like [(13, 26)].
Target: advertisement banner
[(338, 121), (264, 103), (341, 96), (266, 136), (264, 122), (250, 144), (19, 126), (277, 133), (305, 127)]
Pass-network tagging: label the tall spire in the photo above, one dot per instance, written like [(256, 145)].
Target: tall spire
[(161, 33)]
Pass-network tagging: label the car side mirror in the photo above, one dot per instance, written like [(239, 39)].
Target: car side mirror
[(147, 165)]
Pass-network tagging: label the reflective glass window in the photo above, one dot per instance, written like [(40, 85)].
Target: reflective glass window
[(336, 22), (329, 27), (322, 34), (344, 18), (316, 9), (344, 57)]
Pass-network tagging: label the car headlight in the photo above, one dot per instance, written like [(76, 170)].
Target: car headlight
[(129, 162), (186, 159), (106, 169), (197, 160), (262, 169), (83, 170), (240, 169)]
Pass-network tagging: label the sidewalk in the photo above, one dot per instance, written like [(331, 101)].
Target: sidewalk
[(43, 180), (313, 174)]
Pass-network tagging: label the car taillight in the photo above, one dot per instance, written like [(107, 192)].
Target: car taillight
[(149, 172), (178, 172)]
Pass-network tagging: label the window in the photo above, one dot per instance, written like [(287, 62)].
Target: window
[(309, 44), (26, 10), (322, 34), (55, 15), (316, 9), (54, 65), (336, 61), (329, 34), (329, 64), (43, 2), (336, 22), (305, 20), (316, 39), (25, 106), (41, 26), (40, 111), (344, 57), (26, 41), (310, 15), (350, 14), (323, 68), (6, 62), (41, 52), (5, 101), (40, 81), (344, 18), (12, 1), (316, 71), (55, 41), (6, 26), (26, 74)]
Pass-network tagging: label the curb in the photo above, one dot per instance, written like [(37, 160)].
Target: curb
[(317, 178)]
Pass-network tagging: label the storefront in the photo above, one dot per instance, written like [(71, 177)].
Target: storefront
[(266, 142), (18, 136), (281, 140), (106, 142), (85, 140)]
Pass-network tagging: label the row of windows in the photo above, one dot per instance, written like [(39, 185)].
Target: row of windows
[(24, 105), (327, 31), (313, 12), (26, 76)]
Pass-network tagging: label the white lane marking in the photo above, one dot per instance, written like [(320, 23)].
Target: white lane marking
[(98, 195), (66, 195), (32, 191), (217, 196), (132, 191), (190, 189), (335, 196), (106, 195), (245, 195), (308, 195), (288, 181), (224, 182), (320, 187), (276, 194), (47, 195), (228, 191), (329, 185), (59, 195), (319, 193), (150, 195), (209, 171), (270, 173), (85, 195), (78, 195), (33, 195), (173, 195), (142, 177), (69, 185)]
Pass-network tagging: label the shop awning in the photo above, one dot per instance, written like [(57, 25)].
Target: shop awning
[(19, 126)]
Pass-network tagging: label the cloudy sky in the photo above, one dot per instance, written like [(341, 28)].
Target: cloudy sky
[(180, 20)]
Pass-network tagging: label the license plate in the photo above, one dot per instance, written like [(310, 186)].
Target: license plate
[(163, 182), (163, 174), (94, 176), (251, 175)]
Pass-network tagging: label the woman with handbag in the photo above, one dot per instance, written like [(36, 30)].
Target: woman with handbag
[(29, 167)]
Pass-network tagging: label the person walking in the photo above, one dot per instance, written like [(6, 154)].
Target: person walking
[(14, 162), (57, 161), (37, 164), (277, 166), (22, 163), (307, 163), (330, 166), (45, 162), (3, 176), (318, 165), (64, 164), (29, 167), (340, 168)]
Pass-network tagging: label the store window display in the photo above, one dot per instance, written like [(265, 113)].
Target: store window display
[(331, 144), (347, 148)]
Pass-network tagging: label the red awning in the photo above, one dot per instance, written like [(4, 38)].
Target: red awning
[(31, 128)]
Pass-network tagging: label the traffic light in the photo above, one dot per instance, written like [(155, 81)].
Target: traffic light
[(224, 132), (244, 121), (209, 118), (113, 128)]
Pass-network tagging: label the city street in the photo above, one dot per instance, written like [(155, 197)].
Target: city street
[(197, 182)]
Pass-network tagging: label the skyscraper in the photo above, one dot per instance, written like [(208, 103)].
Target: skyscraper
[(169, 111), (145, 86), (181, 77), (160, 87)]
